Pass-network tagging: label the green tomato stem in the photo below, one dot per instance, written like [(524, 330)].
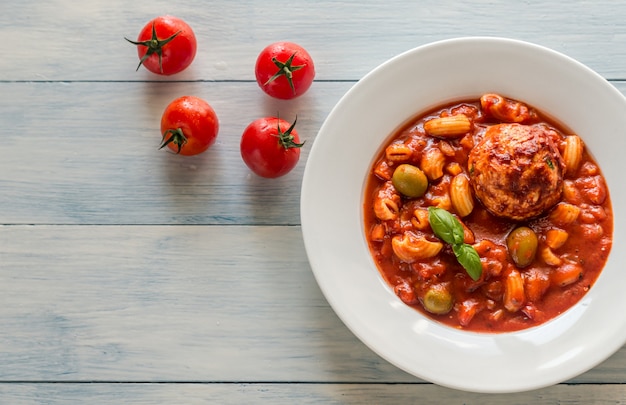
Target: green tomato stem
[(286, 139), (285, 69), (154, 45), (176, 136)]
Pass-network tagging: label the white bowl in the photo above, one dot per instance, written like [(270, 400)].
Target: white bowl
[(332, 213)]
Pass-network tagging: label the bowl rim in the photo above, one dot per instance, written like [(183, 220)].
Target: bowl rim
[(369, 86)]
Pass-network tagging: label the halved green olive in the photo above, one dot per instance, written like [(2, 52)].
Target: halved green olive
[(438, 300), (409, 180), (522, 245)]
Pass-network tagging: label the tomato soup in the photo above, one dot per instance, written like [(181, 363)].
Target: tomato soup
[(528, 202)]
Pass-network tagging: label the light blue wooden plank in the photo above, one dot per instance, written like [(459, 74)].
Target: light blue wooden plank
[(216, 303), (170, 303), (276, 394), (56, 40), (80, 153), (88, 153), (178, 303)]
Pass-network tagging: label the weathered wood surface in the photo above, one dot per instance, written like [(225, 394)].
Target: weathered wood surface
[(178, 303), (305, 394), (129, 275), (60, 40)]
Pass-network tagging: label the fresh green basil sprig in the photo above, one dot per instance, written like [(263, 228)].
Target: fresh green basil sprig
[(450, 230)]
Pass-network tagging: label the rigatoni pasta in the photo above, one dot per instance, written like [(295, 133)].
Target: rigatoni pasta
[(432, 163), (387, 203), (398, 152), (573, 154), (448, 127), (410, 247), (564, 213), (461, 195)]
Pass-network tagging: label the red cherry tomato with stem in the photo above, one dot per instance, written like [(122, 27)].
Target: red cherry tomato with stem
[(189, 126), (284, 70), (166, 45), (270, 146)]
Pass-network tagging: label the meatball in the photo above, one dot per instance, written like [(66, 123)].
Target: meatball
[(516, 171)]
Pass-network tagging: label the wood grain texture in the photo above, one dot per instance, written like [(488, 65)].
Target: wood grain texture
[(131, 275), (170, 303), (178, 303), (94, 158), (278, 394), (347, 38)]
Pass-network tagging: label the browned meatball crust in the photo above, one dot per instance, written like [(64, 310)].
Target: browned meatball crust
[(516, 171)]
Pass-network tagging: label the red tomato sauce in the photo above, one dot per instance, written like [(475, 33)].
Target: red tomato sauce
[(570, 251)]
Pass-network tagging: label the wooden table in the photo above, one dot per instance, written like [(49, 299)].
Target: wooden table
[(130, 275)]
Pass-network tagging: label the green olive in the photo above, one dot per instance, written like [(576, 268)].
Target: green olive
[(438, 300), (409, 180), (522, 245)]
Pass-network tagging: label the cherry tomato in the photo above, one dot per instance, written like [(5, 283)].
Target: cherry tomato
[(284, 70), (189, 126), (270, 146), (166, 45)]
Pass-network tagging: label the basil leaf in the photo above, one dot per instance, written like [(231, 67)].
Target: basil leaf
[(469, 259), (445, 226), (449, 229)]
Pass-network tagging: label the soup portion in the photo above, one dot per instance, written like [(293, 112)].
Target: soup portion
[(487, 216)]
